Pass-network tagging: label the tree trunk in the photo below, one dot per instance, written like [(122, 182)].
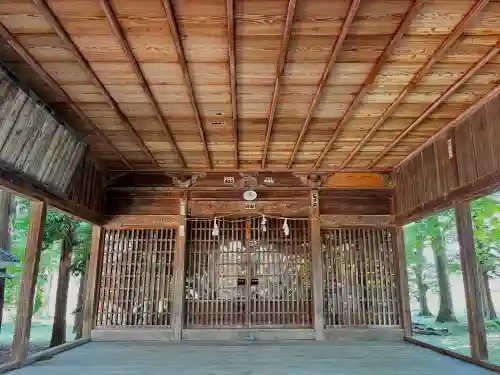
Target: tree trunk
[(5, 211), (78, 325), (489, 306), (446, 313), (59, 325), (422, 296)]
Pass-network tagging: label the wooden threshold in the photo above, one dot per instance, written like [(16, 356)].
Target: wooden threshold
[(450, 353)]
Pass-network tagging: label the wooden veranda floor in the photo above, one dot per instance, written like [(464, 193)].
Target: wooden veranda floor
[(249, 358)]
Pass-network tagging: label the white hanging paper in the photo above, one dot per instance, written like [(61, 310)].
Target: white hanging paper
[(263, 224), (286, 228), (215, 229)]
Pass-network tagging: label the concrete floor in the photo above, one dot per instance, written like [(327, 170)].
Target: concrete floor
[(251, 358)]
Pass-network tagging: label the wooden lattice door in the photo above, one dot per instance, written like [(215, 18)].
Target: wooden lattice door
[(247, 275), (135, 287)]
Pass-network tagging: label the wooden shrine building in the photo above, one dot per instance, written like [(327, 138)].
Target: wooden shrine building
[(248, 165)]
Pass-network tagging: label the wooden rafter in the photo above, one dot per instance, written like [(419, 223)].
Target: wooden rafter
[(84, 64), (117, 30), (279, 72), (169, 12), (232, 76), (57, 88), (324, 77), (396, 38), (447, 43), (464, 78)]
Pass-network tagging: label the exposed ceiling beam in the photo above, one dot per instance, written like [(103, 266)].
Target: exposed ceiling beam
[(57, 88), (464, 78), (169, 12), (279, 72), (396, 38), (119, 34), (336, 50), (232, 77), (447, 43), (84, 64)]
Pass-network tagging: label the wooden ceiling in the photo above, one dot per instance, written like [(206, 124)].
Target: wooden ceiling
[(194, 85)]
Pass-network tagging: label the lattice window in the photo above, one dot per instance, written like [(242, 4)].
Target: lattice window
[(360, 282), (246, 276), (136, 278)]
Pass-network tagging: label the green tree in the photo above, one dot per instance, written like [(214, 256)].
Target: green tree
[(486, 221), (415, 238), (81, 253), (439, 229)]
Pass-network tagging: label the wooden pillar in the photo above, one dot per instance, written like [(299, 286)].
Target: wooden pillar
[(402, 274), (179, 270), (91, 287), (28, 281), (317, 267), (468, 261), (59, 324)]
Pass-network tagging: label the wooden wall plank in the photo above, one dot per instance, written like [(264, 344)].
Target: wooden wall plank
[(461, 162)]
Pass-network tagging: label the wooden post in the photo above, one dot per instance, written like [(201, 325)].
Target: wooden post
[(317, 267), (468, 261), (402, 274), (28, 281), (59, 324), (91, 286), (179, 270)]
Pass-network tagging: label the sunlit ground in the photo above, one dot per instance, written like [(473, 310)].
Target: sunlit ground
[(458, 340)]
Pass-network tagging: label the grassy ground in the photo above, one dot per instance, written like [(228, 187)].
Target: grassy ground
[(40, 335), (458, 341)]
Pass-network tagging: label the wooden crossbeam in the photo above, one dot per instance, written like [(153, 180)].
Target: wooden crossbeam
[(260, 170), (279, 72), (396, 38), (117, 30), (232, 76), (57, 88), (464, 78), (84, 64), (169, 12), (324, 77), (447, 43)]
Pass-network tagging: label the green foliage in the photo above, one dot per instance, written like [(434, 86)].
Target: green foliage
[(82, 240), (57, 225), (486, 221)]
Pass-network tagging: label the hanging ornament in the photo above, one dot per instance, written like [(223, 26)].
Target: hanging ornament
[(286, 228), (263, 224), (215, 229)]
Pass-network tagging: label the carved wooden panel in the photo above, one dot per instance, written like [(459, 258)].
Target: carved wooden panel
[(335, 221), (223, 208), (146, 221)]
